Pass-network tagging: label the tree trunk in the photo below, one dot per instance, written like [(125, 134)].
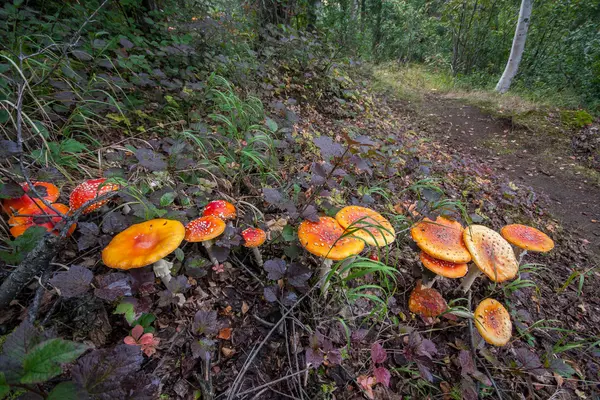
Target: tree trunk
[(518, 45)]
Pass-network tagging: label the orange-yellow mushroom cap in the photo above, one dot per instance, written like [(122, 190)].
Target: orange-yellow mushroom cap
[(491, 253), (493, 322), (366, 224), (427, 302), (443, 268), (38, 214), (527, 237), (143, 244), (48, 191), (254, 237), (220, 208), (324, 239), (204, 228), (89, 190), (441, 239)]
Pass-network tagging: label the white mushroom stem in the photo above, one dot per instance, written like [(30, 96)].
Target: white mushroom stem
[(323, 271), (474, 273), (520, 253), (208, 245), (162, 270), (428, 281), (257, 256)]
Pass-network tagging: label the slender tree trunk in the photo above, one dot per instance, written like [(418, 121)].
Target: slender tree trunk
[(518, 45)]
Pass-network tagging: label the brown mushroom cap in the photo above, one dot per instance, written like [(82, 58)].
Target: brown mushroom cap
[(220, 208), (254, 237), (143, 244), (367, 224), (443, 268), (426, 302), (324, 239), (441, 239), (204, 228), (493, 322), (491, 253), (527, 238)]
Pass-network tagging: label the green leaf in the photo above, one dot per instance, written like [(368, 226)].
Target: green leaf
[(288, 233), (22, 245), (167, 199), (72, 146), (64, 391), (43, 362), (179, 254), (146, 321), (40, 128), (127, 310), (3, 116), (4, 68), (4, 388), (272, 125)]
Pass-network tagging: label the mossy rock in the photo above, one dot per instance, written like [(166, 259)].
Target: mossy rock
[(575, 118)]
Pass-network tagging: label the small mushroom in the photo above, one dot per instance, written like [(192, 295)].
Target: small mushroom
[(326, 239), (38, 214), (527, 238), (253, 238), (48, 191), (443, 268), (367, 225), (144, 244), (493, 322), (90, 190), (426, 302), (221, 209), (205, 229), (492, 255)]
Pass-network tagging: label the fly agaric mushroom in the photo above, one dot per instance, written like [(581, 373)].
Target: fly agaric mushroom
[(492, 255), (144, 244), (441, 239), (221, 209), (527, 238), (493, 322), (205, 229), (48, 191), (367, 225), (90, 190), (443, 268), (253, 238), (325, 239), (38, 214), (426, 302)]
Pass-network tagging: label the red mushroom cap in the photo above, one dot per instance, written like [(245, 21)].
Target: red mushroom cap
[(90, 190), (426, 302), (38, 214), (527, 237), (48, 191), (220, 208), (254, 237), (204, 228)]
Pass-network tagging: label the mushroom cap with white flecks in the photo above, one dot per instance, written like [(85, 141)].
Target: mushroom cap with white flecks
[(254, 237), (441, 239), (492, 254), (493, 322), (527, 237), (221, 209), (204, 228), (324, 239), (89, 190)]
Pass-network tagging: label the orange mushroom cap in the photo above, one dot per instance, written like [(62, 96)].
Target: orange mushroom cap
[(441, 239), (220, 208), (143, 244), (254, 237), (527, 237), (493, 322), (427, 302), (443, 268), (38, 214), (204, 228), (90, 190), (366, 224), (48, 191), (491, 253), (324, 239)]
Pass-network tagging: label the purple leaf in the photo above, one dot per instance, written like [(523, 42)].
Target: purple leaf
[(205, 322), (16, 347), (328, 147), (142, 280), (334, 357), (468, 389), (310, 213), (271, 293), (220, 253), (481, 377), (558, 366), (314, 357), (289, 298), (89, 232), (466, 362), (73, 283), (126, 43), (272, 196), (298, 275), (359, 335), (114, 222), (112, 286), (151, 160), (425, 372), (378, 353), (529, 361), (202, 348), (275, 268), (179, 284), (383, 376)]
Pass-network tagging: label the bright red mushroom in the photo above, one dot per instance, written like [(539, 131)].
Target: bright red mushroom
[(48, 191), (90, 190), (38, 214)]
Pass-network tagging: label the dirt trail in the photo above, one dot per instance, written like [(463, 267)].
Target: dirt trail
[(532, 161)]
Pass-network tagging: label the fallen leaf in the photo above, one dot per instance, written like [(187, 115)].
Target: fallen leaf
[(225, 334), (227, 351), (245, 307), (227, 311)]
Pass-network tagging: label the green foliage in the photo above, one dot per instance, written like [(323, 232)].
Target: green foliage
[(44, 361), (20, 246), (576, 119)]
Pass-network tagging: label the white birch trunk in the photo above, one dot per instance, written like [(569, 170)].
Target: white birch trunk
[(518, 45)]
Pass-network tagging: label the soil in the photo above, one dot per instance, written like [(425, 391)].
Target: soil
[(542, 163)]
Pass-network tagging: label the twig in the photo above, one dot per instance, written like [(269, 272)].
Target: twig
[(272, 382), (39, 295)]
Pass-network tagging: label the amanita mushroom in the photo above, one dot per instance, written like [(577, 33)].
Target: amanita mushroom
[(492, 255), (324, 239), (38, 214), (426, 302), (253, 238), (527, 238), (221, 209), (90, 190), (205, 229), (493, 322), (48, 191), (441, 239), (144, 244), (443, 268), (366, 224)]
